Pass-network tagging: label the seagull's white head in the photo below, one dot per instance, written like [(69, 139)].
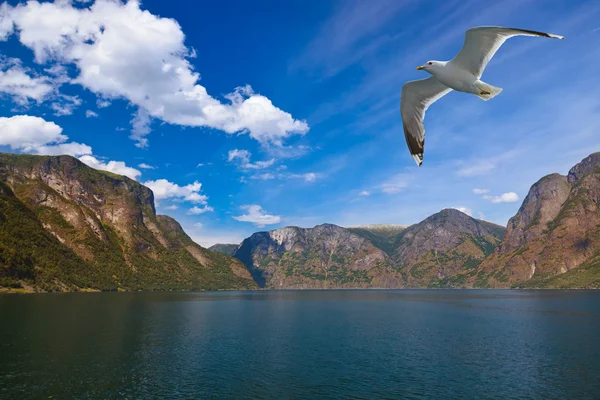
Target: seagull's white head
[(431, 66)]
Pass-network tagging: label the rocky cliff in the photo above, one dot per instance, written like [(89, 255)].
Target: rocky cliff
[(556, 230), (428, 254), (107, 228), (326, 256)]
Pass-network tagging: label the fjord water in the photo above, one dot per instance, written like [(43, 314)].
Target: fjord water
[(408, 344)]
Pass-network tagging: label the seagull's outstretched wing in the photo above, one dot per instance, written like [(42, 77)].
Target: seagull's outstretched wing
[(416, 98), (481, 43)]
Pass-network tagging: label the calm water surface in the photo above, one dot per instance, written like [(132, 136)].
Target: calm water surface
[(302, 345)]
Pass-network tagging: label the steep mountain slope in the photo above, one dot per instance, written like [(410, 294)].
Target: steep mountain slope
[(227, 249), (326, 256), (428, 254), (445, 248), (556, 230), (108, 223)]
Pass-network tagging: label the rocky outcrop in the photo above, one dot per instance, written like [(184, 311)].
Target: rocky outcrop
[(109, 222), (326, 256), (556, 230)]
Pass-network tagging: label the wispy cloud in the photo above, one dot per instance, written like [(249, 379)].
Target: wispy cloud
[(395, 184), (509, 197), (242, 158), (481, 191), (256, 215), (465, 210), (146, 166)]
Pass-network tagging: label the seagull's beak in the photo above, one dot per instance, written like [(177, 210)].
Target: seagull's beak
[(420, 68)]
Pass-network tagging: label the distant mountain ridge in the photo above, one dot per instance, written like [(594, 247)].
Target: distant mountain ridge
[(329, 256), (224, 248), (552, 241)]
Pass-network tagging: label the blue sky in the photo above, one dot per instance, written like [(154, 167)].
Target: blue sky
[(244, 116)]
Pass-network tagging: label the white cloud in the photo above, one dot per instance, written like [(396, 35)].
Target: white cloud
[(509, 197), (308, 177), (242, 158), (464, 210), (116, 167), (90, 114), (364, 193), (22, 87), (102, 103), (35, 135), (199, 165), (198, 224), (171, 207), (479, 168), (163, 189), (72, 149), (197, 210), (481, 191), (27, 133), (263, 177), (140, 127), (150, 69), (256, 215), (65, 105), (146, 166), (395, 185)]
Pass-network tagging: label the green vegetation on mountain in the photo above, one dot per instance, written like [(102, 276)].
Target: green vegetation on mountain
[(384, 237), (586, 276), (227, 249), (434, 253), (65, 226)]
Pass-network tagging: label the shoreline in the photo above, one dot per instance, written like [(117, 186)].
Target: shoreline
[(22, 291)]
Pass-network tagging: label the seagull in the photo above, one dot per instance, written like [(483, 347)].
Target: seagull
[(462, 74)]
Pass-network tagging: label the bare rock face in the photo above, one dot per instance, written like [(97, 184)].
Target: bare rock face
[(326, 256), (110, 223), (542, 204), (556, 229)]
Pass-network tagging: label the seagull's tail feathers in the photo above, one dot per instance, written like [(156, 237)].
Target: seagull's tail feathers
[(486, 88)]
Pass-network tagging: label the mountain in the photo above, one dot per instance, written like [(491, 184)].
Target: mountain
[(554, 239), (383, 236), (326, 256), (226, 249), (445, 248), (428, 254), (65, 226)]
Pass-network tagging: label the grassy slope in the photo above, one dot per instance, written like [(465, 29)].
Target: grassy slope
[(586, 276), (31, 254)]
